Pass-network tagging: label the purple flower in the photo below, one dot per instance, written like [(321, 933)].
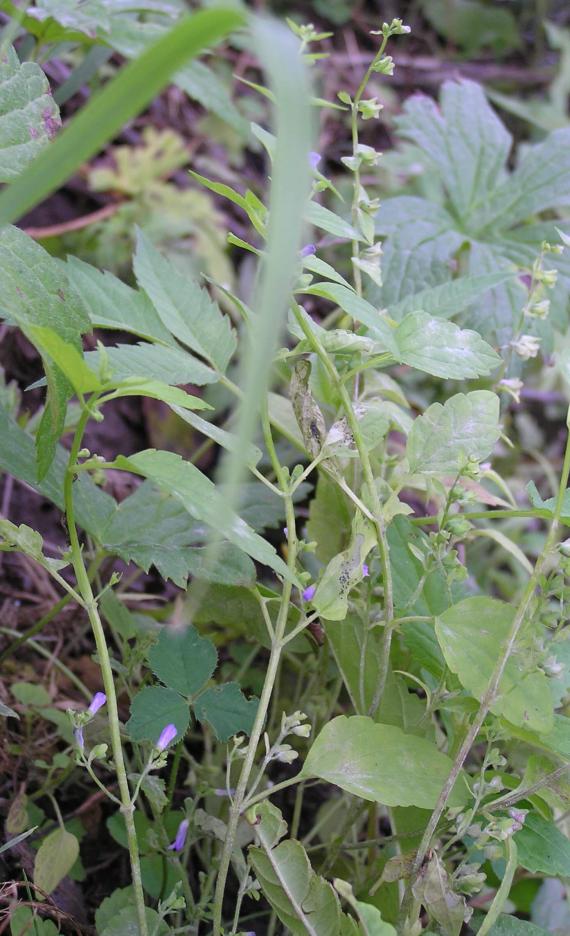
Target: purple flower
[(309, 592), (314, 159), (308, 250), (178, 843), (167, 735), (78, 735), (365, 570), (97, 702)]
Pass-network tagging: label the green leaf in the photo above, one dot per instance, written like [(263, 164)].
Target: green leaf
[(172, 396), (55, 857), (185, 309), (107, 112), (372, 922), (463, 137), (184, 661), (472, 634), (303, 901), (7, 712), (152, 709), (541, 181), (110, 906), (227, 710), (36, 292), (110, 303), (30, 116), (443, 349), (125, 923), (227, 440), (23, 922), (344, 571), (473, 25), (446, 437), (66, 356), (543, 848), (151, 528), (381, 764), (358, 308), (511, 926), (154, 362), (326, 220), (202, 500), (448, 299)]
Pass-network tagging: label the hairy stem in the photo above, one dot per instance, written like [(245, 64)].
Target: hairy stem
[(277, 644), (90, 603), (492, 690)]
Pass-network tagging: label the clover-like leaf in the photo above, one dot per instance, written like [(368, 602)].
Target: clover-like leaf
[(227, 710), (152, 709), (183, 660)]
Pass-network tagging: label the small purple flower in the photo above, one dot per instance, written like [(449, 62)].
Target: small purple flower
[(308, 250), (314, 159), (365, 570), (97, 702), (167, 735), (179, 841), (309, 592), (78, 735)]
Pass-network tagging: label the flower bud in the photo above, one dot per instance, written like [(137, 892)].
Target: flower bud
[(167, 735), (180, 839), (97, 702)]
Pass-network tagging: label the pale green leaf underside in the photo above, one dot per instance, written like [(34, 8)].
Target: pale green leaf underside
[(444, 437), (472, 635), (381, 764), (443, 349)]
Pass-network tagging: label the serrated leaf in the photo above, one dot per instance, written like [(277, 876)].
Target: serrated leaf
[(23, 922), (185, 309), (463, 137), (55, 857), (202, 500), (472, 634), (543, 848), (152, 709), (303, 901), (508, 925), (226, 439), (110, 303), (154, 362), (381, 764), (445, 437), (29, 114), (184, 661), (227, 710), (448, 299), (540, 182), (443, 349), (36, 292), (151, 528)]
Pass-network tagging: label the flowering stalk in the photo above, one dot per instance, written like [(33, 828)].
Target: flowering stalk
[(90, 604)]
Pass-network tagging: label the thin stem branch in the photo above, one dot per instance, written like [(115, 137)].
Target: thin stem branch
[(90, 603), (492, 690)]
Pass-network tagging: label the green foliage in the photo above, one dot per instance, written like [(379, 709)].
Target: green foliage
[(380, 763), (184, 662), (353, 543)]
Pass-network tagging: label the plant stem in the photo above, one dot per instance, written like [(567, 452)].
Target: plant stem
[(491, 692), (277, 644), (500, 898), (377, 517), (84, 586)]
